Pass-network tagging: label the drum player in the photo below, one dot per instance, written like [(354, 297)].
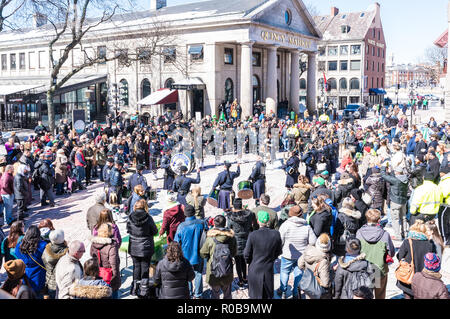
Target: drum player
[(258, 179), (182, 184), (225, 181)]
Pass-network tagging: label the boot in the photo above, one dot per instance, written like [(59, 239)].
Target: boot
[(144, 289), (134, 287)]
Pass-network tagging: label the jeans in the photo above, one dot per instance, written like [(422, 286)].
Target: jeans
[(198, 281), (8, 202), (115, 295), (398, 216), (48, 194), (285, 142), (59, 188), (81, 174), (287, 266)]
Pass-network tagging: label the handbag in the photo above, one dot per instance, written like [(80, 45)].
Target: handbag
[(310, 283), (105, 273), (405, 271)]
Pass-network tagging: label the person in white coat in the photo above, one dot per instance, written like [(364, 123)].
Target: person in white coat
[(296, 235), (68, 269)]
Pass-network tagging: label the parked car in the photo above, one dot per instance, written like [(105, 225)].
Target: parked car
[(356, 111), (431, 97)]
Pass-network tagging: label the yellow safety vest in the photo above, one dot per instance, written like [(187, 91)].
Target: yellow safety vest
[(324, 118), (293, 131), (444, 186), (427, 199)]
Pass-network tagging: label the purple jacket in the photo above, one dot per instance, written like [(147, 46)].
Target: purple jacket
[(7, 184), (116, 233)]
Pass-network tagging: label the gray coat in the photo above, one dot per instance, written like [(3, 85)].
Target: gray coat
[(20, 187), (92, 215), (50, 257)]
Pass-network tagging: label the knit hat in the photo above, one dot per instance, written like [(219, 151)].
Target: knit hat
[(189, 211), (263, 216), (295, 211), (110, 160), (15, 269), (319, 180), (353, 246), (322, 245), (56, 236), (432, 262)]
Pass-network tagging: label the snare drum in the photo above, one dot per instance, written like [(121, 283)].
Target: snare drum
[(213, 198), (245, 190)]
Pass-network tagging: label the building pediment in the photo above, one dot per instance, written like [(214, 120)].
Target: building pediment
[(287, 15)]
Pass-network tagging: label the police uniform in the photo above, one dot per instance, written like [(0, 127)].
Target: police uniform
[(182, 186), (169, 175), (116, 183), (291, 168), (310, 159), (225, 181), (258, 178), (137, 179), (106, 172)]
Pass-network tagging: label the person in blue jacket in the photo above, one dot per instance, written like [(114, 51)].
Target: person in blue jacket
[(30, 249), (189, 235)]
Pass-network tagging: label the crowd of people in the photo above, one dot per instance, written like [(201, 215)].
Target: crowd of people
[(329, 232)]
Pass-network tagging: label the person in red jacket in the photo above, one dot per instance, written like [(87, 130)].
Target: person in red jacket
[(7, 193), (172, 217)]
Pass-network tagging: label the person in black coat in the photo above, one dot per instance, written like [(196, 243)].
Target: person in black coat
[(142, 229), (345, 186), (225, 181), (240, 221), (169, 175), (258, 178), (310, 160), (433, 166), (291, 169), (173, 274), (321, 218), (421, 245), (182, 184), (262, 249)]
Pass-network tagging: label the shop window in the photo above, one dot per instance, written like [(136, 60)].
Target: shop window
[(196, 52), (12, 60), (256, 58), (229, 96)]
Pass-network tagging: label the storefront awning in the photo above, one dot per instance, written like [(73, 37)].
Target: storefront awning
[(189, 84), (376, 91), (162, 96), (13, 89)]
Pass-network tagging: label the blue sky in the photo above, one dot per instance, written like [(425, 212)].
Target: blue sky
[(410, 26)]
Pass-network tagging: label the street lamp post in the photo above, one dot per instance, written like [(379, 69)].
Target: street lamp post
[(411, 95), (396, 91)]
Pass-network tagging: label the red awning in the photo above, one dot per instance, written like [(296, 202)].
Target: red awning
[(162, 96)]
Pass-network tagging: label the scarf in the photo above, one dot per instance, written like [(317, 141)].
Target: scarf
[(416, 235)]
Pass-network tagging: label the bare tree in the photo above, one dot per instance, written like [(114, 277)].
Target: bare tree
[(435, 58), (8, 10)]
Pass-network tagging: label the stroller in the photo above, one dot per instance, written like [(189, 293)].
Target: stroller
[(71, 179)]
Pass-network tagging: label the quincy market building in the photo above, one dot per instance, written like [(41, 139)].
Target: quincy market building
[(245, 50)]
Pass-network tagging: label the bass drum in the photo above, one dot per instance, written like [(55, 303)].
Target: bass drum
[(182, 159)]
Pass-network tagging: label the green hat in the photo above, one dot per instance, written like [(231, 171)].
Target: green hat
[(325, 173), (263, 216), (319, 180)]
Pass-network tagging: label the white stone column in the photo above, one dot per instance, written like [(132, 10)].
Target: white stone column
[(311, 84), (295, 81), (246, 79), (272, 97), (447, 84)]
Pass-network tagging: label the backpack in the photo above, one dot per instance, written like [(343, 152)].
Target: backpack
[(36, 177), (356, 280), (222, 263), (334, 213)]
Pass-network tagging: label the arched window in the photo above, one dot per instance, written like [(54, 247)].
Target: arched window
[(123, 92), (320, 84), (168, 83), (256, 89), (146, 88), (343, 84), (332, 84), (354, 84), (302, 84), (229, 97)]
